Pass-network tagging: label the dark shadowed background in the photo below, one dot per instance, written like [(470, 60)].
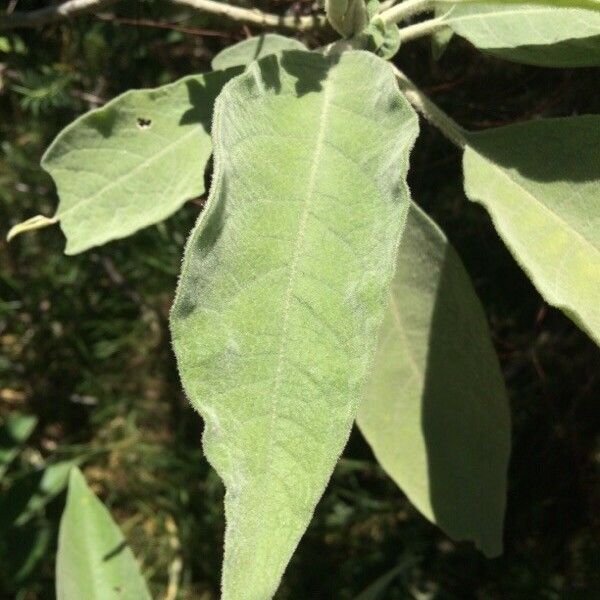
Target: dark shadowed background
[(84, 346)]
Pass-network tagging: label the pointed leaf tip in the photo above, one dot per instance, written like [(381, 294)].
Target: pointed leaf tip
[(37, 222)]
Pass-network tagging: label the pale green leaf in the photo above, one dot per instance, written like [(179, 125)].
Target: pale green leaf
[(547, 33), (382, 38), (254, 48), (93, 560), (436, 413), (132, 162), (347, 17), (439, 42), (13, 432), (284, 285), (540, 182)]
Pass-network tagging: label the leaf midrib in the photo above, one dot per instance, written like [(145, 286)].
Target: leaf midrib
[(399, 323), (449, 19), (85, 201), (319, 144)]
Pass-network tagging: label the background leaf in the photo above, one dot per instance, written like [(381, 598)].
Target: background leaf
[(436, 414), (377, 588), (540, 182), (132, 162), (347, 17), (560, 34), (29, 494), (254, 48), (283, 288), (14, 431), (93, 561)]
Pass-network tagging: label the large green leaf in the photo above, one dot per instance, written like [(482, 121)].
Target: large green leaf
[(284, 285), (93, 560), (436, 413), (132, 162), (254, 48), (540, 182), (547, 33)]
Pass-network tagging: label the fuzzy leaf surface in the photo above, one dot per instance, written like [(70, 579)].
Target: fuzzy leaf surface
[(436, 413), (540, 182), (284, 286), (131, 163), (545, 33), (254, 48), (93, 559), (347, 17)]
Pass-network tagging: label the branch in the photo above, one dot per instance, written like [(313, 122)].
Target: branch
[(255, 16), (412, 32), (237, 14), (51, 14), (405, 9), (432, 112)]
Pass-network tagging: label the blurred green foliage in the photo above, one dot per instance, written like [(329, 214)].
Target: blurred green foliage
[(84, 347)]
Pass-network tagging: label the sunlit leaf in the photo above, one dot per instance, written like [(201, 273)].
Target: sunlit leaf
[(284, 286), (560, 33), (254, 48), (132, 162), (540, 182), (436, 412), (93, 560)]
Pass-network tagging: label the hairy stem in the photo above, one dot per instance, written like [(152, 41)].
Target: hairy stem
[(433, 113), (412, 32), (405, 9)]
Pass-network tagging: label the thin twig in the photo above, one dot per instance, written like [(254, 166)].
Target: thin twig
[(51, 14), (169, 26), (431, 111)]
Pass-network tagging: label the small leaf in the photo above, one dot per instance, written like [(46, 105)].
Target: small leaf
[(436, 413), (440, 41), (245, 52), (376, 589), (284, 285), (540, 182), (23, 548), (559, 33), (14, 432), (347, 17), (382, 38), (132, 162), (93, 560), (29, 494)]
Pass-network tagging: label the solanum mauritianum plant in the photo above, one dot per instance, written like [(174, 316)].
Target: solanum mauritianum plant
[(314, 293)]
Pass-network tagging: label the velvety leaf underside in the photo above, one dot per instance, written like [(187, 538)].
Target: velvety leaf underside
[(436, 413)]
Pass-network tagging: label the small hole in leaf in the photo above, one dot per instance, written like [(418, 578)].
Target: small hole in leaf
[(144, 123)]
